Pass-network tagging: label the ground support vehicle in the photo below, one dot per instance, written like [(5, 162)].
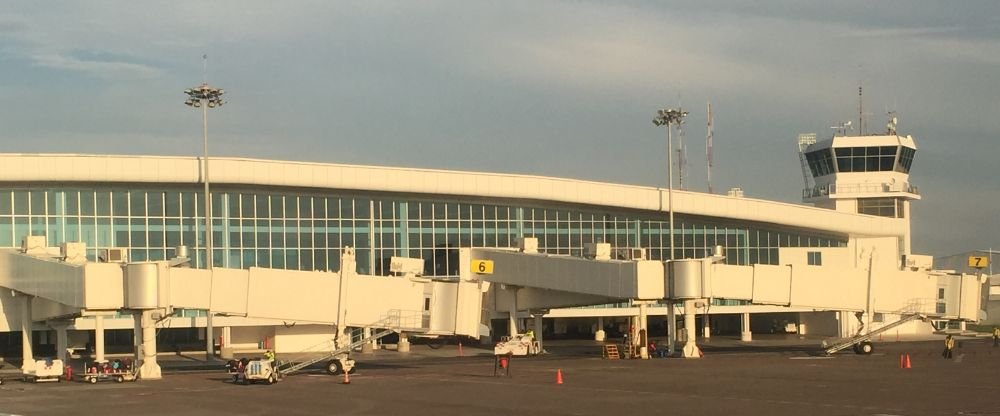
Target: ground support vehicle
[(118, 376), (45, 370), (519, 344), (257, 370)]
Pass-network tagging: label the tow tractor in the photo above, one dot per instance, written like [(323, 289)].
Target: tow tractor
[(251, 371)]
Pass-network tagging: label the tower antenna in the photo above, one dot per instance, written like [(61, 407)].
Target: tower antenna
[(861, 112), (708, 146)]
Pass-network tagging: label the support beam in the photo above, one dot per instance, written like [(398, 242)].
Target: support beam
[(404, 343), (512, 311), (149, 369), (209, 335), (368, 347), (671, 329), (706, 326), (643, 330), (745, 334), (690, 347), (599, 334), (62, 342), (539, 326), (27, 355), (99, 339)]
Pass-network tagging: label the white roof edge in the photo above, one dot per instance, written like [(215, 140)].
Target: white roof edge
[(92, 168)]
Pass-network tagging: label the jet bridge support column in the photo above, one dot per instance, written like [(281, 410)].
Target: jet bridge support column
[(745, 334), (99, 339), (512, 320), (62, 341), (150, 369), (690, 332), (599, 334), (539, 327), (642, 334), (671, 328), (27, 356)]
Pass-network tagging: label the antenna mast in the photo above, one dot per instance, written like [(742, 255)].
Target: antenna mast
[(861, 112), (708, 146), (681, 153)]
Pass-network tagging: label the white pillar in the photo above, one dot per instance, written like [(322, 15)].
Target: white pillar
[(599, 334), (99, 339), (671, 329), (643, 331), (404, 343), (368, 347), (512, 322), (225, 348), (27, 355), (706, 326), (149, 369), (745, 334), (209, 336), (538, 329), (690, 347)]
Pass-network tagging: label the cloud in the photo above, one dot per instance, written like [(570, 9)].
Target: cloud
[(105, 69)]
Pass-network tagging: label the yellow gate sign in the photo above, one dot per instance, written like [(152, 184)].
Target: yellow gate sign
[(979, 262), (482, 266)]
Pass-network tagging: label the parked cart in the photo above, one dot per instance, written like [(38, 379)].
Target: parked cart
[(117, 371)]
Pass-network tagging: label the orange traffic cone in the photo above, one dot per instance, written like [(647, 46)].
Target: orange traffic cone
[(907, 363), (460, 354), (347, 377), (902, 361), (559, 379)]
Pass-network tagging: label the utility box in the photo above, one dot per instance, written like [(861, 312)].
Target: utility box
[(527, 244), (597, 251), (75, 253)]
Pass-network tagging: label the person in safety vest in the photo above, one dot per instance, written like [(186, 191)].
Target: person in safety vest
[(269, 356), (996, 336), (530, 334), (949, 345)]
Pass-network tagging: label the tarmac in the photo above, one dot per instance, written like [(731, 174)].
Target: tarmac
[(777, 375)]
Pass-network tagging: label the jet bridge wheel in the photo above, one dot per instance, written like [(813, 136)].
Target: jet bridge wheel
[(333, 367), (864, 348)]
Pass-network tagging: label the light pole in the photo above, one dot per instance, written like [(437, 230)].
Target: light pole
[(666, 117), (205, 97)]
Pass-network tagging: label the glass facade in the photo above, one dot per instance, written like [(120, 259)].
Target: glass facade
[(285, 229)]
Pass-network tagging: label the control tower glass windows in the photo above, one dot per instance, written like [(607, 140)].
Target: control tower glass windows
[(820, 162), (882, 207), (866, 159), (905, 159)]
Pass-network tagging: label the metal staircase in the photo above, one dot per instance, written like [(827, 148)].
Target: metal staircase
[(858, 339), (394, 321)]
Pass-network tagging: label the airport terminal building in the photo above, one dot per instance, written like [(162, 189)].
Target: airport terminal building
[(298, 216)]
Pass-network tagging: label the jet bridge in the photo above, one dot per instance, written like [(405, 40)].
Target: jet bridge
[(870, 285), (64, 285)]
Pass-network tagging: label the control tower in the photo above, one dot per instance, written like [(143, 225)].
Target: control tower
[(867, 174)]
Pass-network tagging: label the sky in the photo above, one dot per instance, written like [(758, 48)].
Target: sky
[(552, 88)]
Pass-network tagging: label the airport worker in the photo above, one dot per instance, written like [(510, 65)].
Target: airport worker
[(949, 345), (996, 336), (269, 356), (530, 334)]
